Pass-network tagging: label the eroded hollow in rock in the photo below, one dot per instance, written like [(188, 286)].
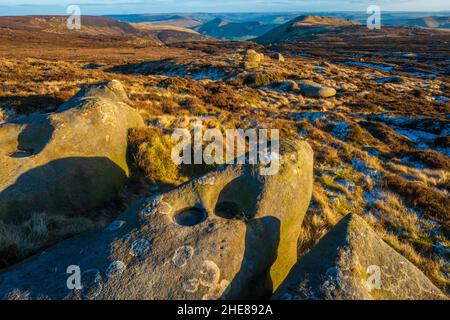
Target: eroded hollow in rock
[(190, 217), (229, 210)]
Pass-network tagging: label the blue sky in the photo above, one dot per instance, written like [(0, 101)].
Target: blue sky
[(10, 7)]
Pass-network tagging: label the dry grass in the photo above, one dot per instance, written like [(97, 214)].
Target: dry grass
[(40, 231), (151, 153)]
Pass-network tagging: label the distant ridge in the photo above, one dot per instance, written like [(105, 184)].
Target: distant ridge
[(91, 25), (169, 34), (308, 20), (304, 25), (426, 22), (176, 21), (45, 28), (225, 29)]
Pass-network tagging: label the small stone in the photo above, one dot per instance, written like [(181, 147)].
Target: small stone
[(278, 57), (312, 89), (116, 268)]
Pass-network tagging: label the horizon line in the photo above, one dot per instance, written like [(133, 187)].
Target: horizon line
[(228, 12)]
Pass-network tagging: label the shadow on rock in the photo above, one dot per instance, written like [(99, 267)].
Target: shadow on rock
[(68, 184), (163, 66), (262, 238), (34, 137)]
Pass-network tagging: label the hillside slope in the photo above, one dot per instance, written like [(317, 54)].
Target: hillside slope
[(427, 22), (304, 26), (169, 34), (176, 21), (225, 29), (48, 29)]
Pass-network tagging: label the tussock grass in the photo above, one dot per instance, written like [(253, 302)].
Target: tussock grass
[(41, 230), (151, 153)]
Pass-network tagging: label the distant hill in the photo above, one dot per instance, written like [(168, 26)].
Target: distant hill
[(320, 21), (302, 26), (426, 22), (90, 25), (44, 28), (203, 17), (176, 21), (160, 20), (225, 29), (169, 34)]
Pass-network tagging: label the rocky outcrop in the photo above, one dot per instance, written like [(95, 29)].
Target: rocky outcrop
[(277, 57), (285, 86), (304, 28), (72, 160), (352, 262), (311, 89), (230, 234), (252, 59)]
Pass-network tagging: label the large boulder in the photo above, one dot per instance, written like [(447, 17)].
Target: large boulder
[(312, 89), (71, 160), (229, 234), (252, 59), (352, 262)]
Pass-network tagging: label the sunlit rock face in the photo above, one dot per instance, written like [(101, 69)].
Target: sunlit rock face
[(352, 263), (72, 160), (230, 234)]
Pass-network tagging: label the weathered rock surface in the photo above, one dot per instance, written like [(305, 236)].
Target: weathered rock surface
[(311, 89), (71, 160), (352, 262), (230, 234), (287, 85), (278, 57), (252, 59)]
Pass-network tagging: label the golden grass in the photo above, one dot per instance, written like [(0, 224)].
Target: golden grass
[(151, 153), (40, 231)]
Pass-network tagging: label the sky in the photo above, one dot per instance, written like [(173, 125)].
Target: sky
[(99, 7)]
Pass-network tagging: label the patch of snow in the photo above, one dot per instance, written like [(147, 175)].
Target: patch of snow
[(210, 73), (441, 249), (392, 79), (416, 136), (444, 151), (372, 151), (420, 74), (303, 133), (371, 65), (421, 139), (359, 165), (312, 116), (373, 196), (319, 70), (426, 125), (362, 167), (414, 164), (441, 99), (350, 185), (341, 129)]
